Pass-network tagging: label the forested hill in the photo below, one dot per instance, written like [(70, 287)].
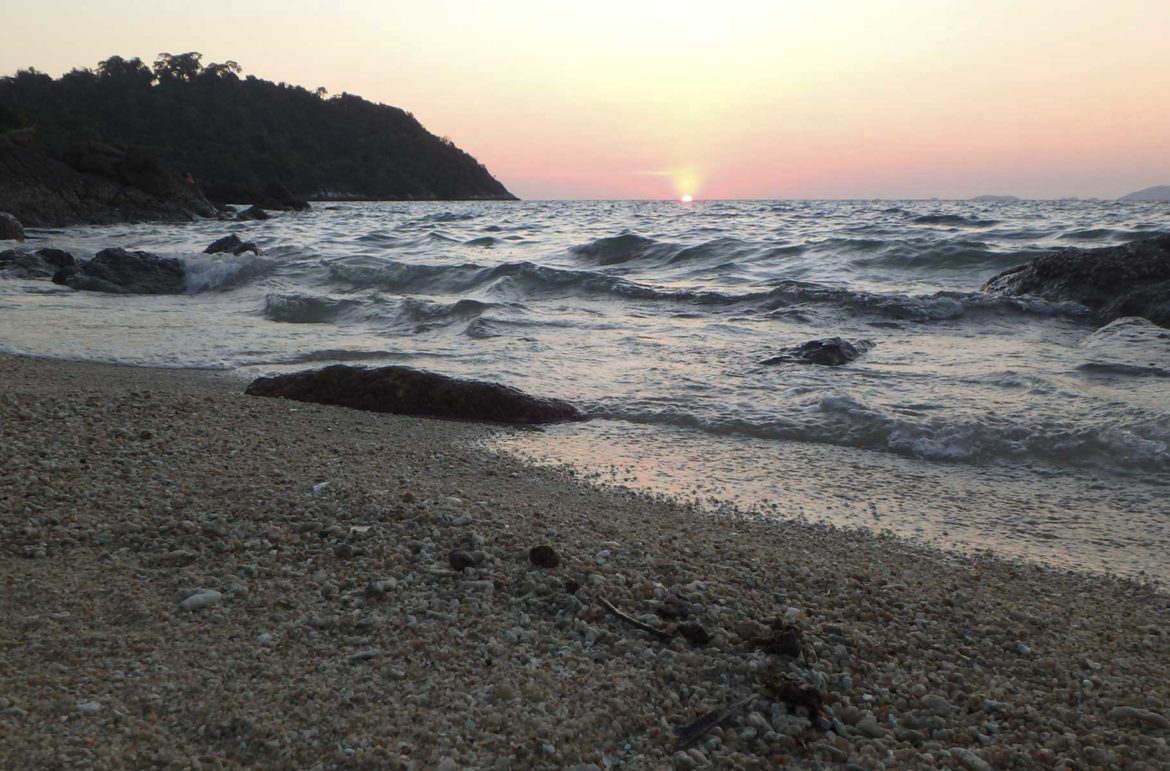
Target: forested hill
[(235, 134)]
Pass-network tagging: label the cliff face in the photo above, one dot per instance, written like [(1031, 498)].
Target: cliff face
[(93, 183), (236, 135)]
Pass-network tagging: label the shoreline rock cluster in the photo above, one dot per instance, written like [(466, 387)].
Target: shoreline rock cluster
[(196, 576)]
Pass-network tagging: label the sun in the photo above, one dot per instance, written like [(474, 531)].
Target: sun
[(687, 198)]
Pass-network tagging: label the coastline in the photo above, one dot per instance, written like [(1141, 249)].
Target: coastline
[(342, 638)]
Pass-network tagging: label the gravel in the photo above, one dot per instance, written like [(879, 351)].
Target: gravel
[(340, 637)]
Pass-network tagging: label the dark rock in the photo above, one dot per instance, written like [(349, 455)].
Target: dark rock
[(231, 244), (694, 633), (253, 213), (43, 263), (277, 196), (10, 228), (407, 391), (92, 182), (572, 585), (460, 560), (781, 640), (831, 352), (120, 271), (58, 258), (1132, 279), (544, 557)]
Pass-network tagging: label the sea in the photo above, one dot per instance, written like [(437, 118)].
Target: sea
[(975, 423)]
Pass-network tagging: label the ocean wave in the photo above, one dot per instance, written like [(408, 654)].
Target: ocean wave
[(953, 220), (203, 273), (409, 314), (529, 280), (1137, 442), (615, 250)]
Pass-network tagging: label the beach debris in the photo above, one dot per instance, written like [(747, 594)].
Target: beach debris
[(797, 695), (654, 631), (688, 735), (320, 488), (781, 639), (1140, 715), (460, 560), (694, 633), (89, 707), (544, 556)]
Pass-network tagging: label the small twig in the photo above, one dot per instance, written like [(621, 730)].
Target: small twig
[(653, 630), (690, 734)]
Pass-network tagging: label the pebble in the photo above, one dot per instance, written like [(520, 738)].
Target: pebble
[(201, 598), (89, 707), (544, 557)]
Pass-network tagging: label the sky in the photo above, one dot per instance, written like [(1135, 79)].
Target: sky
[(728, 99)]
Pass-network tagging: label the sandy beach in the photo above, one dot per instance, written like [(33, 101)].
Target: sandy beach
[(193, 578)]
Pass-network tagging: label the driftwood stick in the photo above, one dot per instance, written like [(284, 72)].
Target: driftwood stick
[(652, 630), (690, 734)]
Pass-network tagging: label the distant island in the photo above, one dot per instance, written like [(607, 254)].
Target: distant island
[(1156, 193), (234, 135), (995, 199)]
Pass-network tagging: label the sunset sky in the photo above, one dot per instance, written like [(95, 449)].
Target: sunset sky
[(735, 99)]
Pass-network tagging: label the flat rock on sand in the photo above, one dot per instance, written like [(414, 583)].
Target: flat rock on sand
[(338, 636)]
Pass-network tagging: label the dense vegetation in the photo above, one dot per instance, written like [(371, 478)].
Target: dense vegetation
[(235, 134)]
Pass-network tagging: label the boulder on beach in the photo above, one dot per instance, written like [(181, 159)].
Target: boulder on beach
[(830, 352), (121, 271), (43, 263), (10, 228), (231, 244), (1132, 279), (407, 391), (277, 196)]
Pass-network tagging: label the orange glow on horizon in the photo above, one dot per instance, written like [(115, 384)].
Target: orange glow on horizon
[(836, 99)]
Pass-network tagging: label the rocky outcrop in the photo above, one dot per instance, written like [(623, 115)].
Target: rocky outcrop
[(1114, 281), (43, 263), (92, 182), (407, 391), (10, 228), (231, 244), (830, 352), (120, 271), (277, 197)]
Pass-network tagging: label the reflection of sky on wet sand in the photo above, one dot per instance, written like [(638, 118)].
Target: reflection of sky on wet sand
[(1044, 516)]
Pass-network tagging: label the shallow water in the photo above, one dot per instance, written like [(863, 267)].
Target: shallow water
[(974, 422)]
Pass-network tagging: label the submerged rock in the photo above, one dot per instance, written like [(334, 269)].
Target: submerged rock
[(120, 271), (407, 391), (10, 228), (231, 244), (831, 352), (1132, 279), (253, 213)]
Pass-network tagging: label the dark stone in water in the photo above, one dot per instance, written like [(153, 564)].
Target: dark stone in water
[(10, 228), (407, 391), (1132, 279), (544, 557), (231, 244), (277, 196), (253, 213), (43, 263), (120, 271), (831, 352)]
